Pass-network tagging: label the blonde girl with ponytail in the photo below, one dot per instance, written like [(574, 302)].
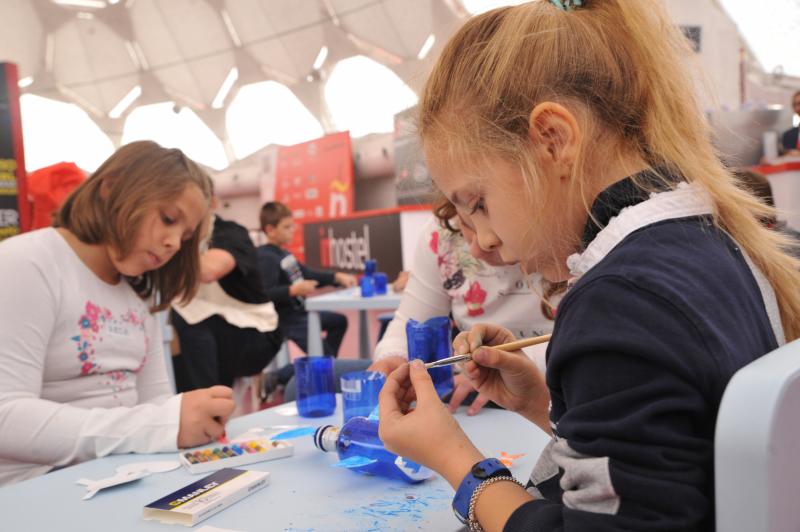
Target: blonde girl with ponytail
[(568, 134)]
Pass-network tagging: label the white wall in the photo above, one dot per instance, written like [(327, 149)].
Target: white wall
[(719, 54)]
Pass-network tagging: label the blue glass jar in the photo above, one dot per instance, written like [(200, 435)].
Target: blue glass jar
[(381, 283), (367, 284), (316, 387)]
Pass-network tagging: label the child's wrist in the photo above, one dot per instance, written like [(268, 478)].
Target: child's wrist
[(457, 462)]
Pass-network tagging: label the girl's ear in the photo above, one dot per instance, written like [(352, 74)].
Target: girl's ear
[(106, 182), (555, 135)]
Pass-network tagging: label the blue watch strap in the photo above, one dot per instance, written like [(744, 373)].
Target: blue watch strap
[(488, 468)]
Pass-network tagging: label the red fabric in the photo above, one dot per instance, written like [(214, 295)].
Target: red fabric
[(48, 187)]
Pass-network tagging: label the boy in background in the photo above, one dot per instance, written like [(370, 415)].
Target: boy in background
[(287, 282)]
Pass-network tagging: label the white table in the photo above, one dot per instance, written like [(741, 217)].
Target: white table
[(348, 299), (784, 179), (305, 491)]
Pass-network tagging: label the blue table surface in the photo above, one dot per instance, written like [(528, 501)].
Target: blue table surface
[(305, 492)]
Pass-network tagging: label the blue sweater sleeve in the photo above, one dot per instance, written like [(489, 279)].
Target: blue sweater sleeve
[(275, 285), (324, 278), (634, 393)]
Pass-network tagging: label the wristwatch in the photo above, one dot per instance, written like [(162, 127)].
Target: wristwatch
[(485, 469)]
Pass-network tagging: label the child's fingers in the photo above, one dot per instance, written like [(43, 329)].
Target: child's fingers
[(220, 408), (394, 390), (477, 404), (461, 343), (213, 429), (459, 394), (410, 395), (220, 391), (423, 384), (494, 358)]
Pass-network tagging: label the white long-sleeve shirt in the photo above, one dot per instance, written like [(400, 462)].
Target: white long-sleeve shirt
[(445, 278), (82, 371)]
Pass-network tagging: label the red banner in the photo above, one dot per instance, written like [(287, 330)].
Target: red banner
[(315, 180)]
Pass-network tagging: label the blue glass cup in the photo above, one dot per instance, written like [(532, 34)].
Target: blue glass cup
[(370, 266), (360, 390), (316, 387), (430, 341), (381, 283), (367, 286)]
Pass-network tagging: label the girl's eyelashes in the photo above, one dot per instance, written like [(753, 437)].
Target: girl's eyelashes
[(168, 220), (479, 205)]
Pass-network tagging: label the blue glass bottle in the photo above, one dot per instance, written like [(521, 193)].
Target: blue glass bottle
[(361, 450)]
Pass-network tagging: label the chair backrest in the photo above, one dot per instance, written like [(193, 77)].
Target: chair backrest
[(757, 446)]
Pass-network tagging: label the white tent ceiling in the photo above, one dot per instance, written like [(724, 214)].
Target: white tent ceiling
[(183, 50)]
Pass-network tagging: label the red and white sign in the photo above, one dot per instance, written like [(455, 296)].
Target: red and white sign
[(315, 180)]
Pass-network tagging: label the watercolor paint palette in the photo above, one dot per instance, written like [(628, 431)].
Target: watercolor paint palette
[(235, 454)]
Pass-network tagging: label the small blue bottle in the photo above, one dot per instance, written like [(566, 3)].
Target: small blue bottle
[(362, 451)]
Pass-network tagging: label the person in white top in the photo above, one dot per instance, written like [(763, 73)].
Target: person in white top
[(82, 372), (452, 275)]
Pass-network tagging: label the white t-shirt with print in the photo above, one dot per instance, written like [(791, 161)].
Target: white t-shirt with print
[(82, 371), (445, 278)]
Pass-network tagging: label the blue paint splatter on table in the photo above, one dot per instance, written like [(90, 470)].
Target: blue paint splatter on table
[(401, 507)]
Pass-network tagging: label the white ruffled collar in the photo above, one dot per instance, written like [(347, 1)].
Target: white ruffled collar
[(684, 201)]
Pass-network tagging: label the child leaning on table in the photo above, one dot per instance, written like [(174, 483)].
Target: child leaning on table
[(568, 136), (82, 370)]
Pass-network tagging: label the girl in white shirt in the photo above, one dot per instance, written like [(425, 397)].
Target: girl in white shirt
[(82, 372)]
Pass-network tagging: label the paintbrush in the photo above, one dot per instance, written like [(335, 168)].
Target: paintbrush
[(511, 346)]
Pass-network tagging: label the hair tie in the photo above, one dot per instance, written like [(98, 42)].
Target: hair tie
[(567, 5)]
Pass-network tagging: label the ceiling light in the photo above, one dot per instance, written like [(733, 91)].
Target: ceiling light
[(132, 54), (91, 4), (125, 102), (25, 82), (140, 54), (225, 88), (85, 15), (226, 18), (426, 47), (321, 56)]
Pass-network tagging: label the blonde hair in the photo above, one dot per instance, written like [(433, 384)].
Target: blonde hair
[(619, 65), (109, 207)]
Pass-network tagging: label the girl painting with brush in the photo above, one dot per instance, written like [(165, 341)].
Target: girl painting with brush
[(567, 135)]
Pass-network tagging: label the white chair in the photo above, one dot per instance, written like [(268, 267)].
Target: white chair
[(757, 446)]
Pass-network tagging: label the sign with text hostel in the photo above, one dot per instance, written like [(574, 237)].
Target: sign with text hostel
[(315, 179), (14, 206), (344, 245)]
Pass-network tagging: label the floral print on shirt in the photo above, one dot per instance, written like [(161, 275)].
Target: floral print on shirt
[(453, 258), (89, 323), (93, 322)]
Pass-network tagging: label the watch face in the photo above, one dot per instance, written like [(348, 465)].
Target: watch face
[(479, 472)]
